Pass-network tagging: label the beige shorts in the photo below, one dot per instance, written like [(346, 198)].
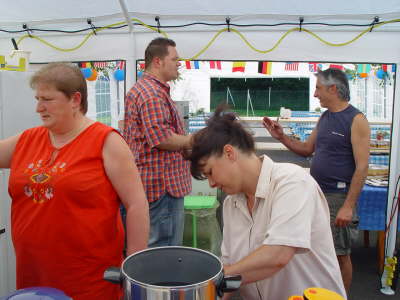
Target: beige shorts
[(343, 237)]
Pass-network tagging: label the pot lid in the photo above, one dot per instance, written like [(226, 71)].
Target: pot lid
[(37, 293)]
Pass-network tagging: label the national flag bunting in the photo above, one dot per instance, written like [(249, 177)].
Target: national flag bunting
[(363, 68), (335, 66), (314, 67), (192, 64), (85, 64), (121, 64), (100, 64), (238, 66), (215, 64), (265, 67), (292, 66), (141, 66)]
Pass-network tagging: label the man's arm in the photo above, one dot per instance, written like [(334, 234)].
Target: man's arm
[(124, 176), (262, 263), (158, 128), (176, 142), (7, 147), (360, 141), (301, 148)]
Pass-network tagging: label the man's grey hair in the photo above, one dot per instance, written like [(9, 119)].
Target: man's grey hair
[(336, 77)]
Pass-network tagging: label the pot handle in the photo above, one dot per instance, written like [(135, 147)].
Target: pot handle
[(229, 284), (113, 274)]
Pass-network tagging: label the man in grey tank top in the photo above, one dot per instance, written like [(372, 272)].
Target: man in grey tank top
[(340, 144)]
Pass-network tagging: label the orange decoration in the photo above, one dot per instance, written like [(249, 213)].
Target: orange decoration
[(92, 77), (320, 293), (363, 75)]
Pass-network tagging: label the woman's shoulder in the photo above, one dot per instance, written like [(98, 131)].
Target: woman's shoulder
[(32, 138), (34, 131), (289, 172), (97, 132), (100, 127)]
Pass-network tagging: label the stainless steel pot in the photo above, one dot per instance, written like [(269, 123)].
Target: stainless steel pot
[(172, 273)]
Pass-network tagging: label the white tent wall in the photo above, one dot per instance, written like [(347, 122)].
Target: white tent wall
[(382, 45)]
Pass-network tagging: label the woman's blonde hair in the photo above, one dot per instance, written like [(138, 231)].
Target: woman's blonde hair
[(66, 78)]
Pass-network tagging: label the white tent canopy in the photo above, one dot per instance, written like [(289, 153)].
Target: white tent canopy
[(316, 42), (127, 42)]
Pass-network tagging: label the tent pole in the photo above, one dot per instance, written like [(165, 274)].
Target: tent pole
[(394, 173), (126, 14)]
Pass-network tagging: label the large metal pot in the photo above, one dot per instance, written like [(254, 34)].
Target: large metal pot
[(172, 273)]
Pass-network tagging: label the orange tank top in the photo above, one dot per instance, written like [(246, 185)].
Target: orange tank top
[(66, 226)]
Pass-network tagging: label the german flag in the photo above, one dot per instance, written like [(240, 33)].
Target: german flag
[(265, 67)]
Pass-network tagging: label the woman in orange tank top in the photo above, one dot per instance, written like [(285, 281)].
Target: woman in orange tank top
[(66, 182)]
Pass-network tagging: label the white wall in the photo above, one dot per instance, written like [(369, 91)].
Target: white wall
[(17, 113), (195, 87)]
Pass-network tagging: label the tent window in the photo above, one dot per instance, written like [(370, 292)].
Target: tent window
[(103, 100)]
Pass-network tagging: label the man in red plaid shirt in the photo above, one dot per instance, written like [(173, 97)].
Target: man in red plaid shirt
[(155, 134)]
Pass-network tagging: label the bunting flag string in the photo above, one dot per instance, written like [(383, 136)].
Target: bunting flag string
[(100, 64), (215, 64), (85, 65), (336, 66), (238, 66), (314, 67), (265, 67), (192, 64), (292, 66), (121, 65), (363, 68)]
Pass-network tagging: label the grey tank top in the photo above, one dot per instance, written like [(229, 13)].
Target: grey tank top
[(333, 163)]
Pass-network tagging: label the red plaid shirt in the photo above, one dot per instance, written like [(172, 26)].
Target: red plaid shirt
[(150, 118)]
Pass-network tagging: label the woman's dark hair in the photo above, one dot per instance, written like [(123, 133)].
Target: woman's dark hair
[(222, 128)]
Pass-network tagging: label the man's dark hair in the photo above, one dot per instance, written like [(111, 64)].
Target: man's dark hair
[(222, 128), (336, 77), (157, 48)]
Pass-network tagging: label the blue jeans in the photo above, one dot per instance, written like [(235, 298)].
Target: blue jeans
[(166, 221)]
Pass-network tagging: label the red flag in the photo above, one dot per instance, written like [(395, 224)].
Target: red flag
[(384, 68), (215, 64), (121, 64), (340, 67)]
